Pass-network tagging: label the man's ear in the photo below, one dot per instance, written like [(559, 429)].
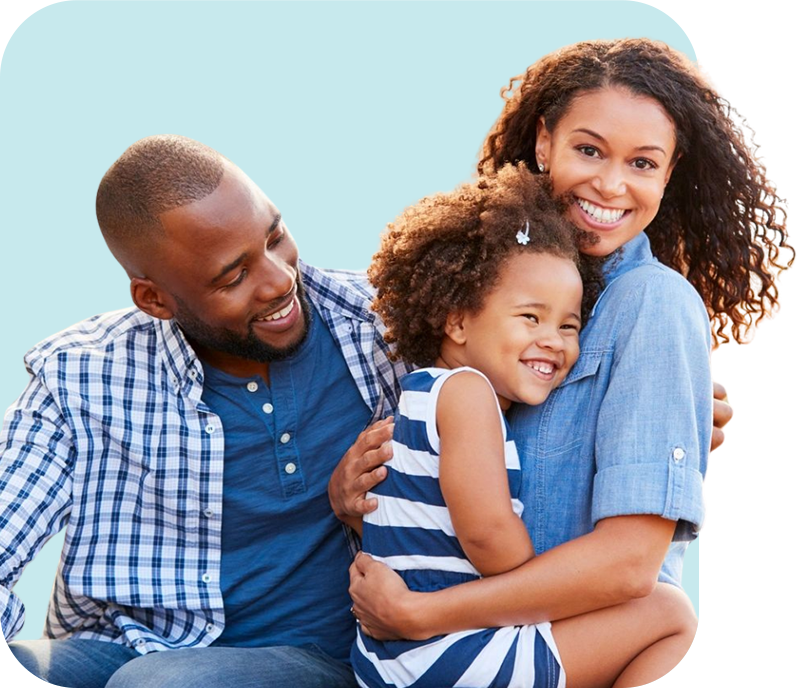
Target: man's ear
[(455, 327), (150, 298)]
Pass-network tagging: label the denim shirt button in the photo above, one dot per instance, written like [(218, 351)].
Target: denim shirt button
[(678, 454)]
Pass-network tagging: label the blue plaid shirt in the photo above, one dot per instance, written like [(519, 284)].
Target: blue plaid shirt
[(112, 441)]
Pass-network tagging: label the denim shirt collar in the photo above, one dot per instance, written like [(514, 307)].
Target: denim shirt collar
[(633, 254)]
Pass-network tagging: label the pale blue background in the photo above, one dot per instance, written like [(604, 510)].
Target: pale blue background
[(344, 113)]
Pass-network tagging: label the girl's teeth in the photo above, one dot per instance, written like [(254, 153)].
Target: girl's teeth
[(606, 215)]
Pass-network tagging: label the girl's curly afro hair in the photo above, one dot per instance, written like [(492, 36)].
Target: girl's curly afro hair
[(445, 254)]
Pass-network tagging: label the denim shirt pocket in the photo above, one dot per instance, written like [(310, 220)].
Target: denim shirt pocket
[(569, 414)]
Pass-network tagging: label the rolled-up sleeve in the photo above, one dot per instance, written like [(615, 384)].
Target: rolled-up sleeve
[(655, 421)]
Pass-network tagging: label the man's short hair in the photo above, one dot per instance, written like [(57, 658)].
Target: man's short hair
[(154, 175)]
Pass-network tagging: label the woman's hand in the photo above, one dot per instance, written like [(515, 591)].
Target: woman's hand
[(382, 603), (360, 470), (721, 414)]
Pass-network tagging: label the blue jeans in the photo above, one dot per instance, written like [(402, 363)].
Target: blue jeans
[(97, 664)]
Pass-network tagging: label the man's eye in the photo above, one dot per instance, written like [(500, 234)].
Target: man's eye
[(275, 239), (238, 280)]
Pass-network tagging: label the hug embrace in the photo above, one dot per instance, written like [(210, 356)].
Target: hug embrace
[(530, 361)]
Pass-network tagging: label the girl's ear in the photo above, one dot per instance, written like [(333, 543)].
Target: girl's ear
[(455, 327)]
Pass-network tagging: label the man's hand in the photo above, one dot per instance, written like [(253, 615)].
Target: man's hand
[(359, 471), (721, 414), (382, 602)]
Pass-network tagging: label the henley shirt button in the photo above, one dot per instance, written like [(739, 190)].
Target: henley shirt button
[(209, 429), (208, 513), (290, 468), (285, 438), (139, 641), (678, 454), (206, 577), (209, 628), (268, 408), (192, 374), (252, 386)]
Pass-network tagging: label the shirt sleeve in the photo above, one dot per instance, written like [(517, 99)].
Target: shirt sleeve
[(36, 458), (655, 421)]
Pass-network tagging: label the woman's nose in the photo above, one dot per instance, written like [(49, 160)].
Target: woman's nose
[(610, 182)]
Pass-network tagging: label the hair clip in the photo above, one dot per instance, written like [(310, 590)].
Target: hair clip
[(523, 237)]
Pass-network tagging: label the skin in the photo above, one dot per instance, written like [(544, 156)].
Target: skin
[(225, 263), (525, 337), (615, 151)]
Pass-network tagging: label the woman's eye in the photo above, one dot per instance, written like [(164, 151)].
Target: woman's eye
[(644, 164), (589, 151)]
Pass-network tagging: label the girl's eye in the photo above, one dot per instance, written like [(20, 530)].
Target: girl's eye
[(531, 316), (644, 164), (570, 327), (238, 280)]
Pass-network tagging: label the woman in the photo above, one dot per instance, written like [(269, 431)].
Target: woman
[(630, 133)]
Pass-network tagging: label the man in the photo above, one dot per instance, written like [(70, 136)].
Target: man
[(186, 444)]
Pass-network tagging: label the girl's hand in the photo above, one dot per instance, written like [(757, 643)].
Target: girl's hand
[(381, 602), (721, 414), (360, 470)]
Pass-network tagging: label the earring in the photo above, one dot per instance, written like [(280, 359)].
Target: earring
[(541, 167)]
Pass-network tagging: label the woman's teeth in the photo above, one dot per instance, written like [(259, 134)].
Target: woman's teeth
[(606, 215), (279, 314)]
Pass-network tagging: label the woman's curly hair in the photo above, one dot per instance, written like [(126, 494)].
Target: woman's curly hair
[(445, 254), (720, 222)]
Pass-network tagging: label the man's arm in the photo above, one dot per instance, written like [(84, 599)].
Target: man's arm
[(36, 458)]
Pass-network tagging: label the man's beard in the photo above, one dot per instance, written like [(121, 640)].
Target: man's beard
[(248, 347)]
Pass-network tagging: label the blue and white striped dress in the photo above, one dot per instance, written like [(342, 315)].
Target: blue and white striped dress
[(411, 531)]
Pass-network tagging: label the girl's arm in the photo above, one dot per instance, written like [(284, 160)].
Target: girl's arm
[(473, 476), (617, 562)]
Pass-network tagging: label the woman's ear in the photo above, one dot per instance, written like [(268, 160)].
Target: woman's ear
[(150, 298), (542, 146), (455, 327)]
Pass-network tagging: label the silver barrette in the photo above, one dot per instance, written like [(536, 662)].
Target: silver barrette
[(523, 237)]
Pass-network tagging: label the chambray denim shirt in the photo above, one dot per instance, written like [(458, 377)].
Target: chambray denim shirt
[(629, 429)]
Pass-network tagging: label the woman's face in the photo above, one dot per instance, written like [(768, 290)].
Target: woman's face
[(614, 152)]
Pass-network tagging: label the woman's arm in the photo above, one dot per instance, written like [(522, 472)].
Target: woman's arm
[(618, 561), (473, 476)]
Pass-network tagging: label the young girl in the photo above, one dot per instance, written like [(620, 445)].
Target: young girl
[(482, 285)]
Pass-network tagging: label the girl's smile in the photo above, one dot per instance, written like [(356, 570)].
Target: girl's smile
[(525, 338)]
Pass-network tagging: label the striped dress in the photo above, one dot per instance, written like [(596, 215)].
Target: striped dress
[(411, 531)]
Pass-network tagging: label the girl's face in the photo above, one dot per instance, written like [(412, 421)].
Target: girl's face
[(525, 338), (614, 152)]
